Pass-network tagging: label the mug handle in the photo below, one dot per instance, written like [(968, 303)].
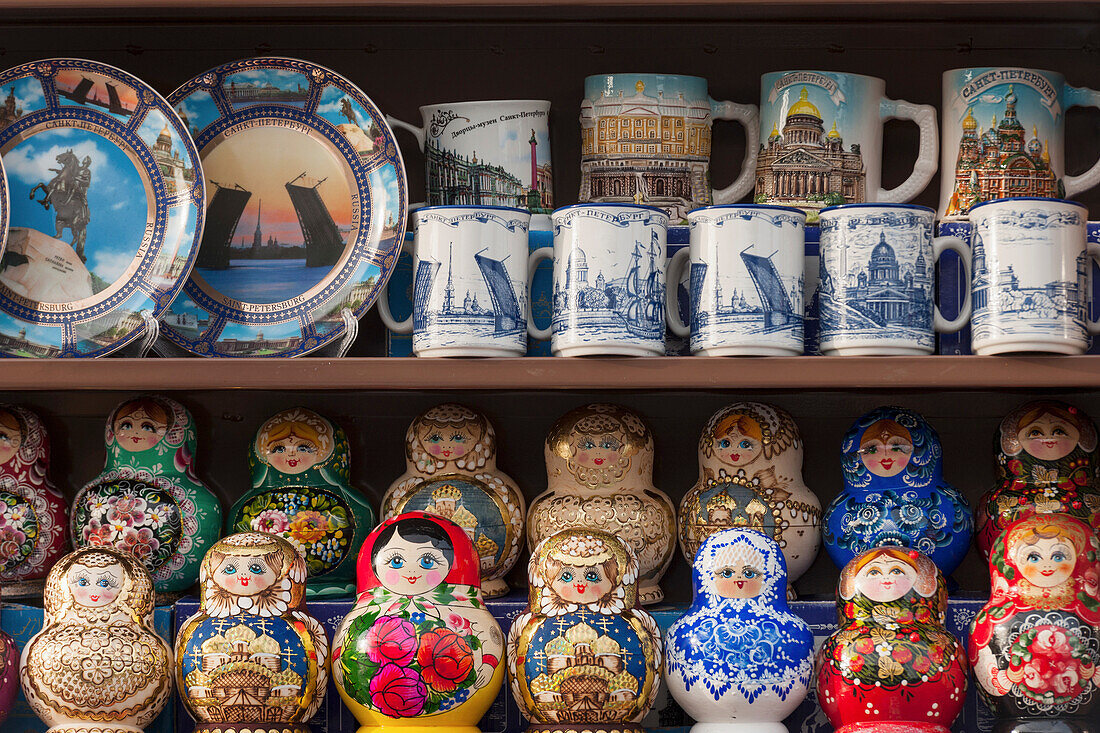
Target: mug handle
[(533, 260), (1082, 97), (925, 117), (1092, 252), (418, 133), (405, 326), (749, 117), (672, 281), (959, 246)]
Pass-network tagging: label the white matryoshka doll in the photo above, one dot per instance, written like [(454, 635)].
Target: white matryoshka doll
[(33, 513), (750, 475), (252, 658), (148, 500), (599, 470), (451, 470), (419, 650), (739, 660), (97, 666), (584, 658)]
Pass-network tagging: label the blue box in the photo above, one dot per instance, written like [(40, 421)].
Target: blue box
[(953, 288), (665, 717), (23, 622)]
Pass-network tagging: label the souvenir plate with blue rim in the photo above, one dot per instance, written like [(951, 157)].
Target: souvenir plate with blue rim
[(106, 207), (306, 202)]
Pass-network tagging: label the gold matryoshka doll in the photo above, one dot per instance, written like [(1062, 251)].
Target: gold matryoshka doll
[(451, 470), (599, 470)]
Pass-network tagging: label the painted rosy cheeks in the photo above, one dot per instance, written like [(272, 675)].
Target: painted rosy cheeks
[(1049, 438), (410, 568), (581, 584), (885, 579), (244, 575), (95, 587), (734, 582), (1047, 563), (292, 454)]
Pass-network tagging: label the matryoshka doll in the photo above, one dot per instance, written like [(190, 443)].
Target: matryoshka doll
[(584, 658), (451, 470), (33, 514), (739, 660), (9, 674), (419, 650), (892, 665), (750, 475), (252, 658), (148, 500), (97, 666), (1035, 646), (300, 464), (599, 467), (894, 493), (1046, 464)]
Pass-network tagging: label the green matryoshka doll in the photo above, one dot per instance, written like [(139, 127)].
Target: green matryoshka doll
[(300, 466), (148, 501)]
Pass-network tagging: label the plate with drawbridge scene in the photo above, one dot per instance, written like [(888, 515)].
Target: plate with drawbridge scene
[(105, 208), (305, 206)]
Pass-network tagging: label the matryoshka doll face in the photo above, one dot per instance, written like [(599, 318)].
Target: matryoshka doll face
[(95, 587), (1049, 437), (140, 425), (731, 581), (447, 443), (738, 440), (292, 453), (1045, 559), (415, 562), (582, 583), (885, 579), (597, 451), (244, 575), (11, 436), (885, 448)]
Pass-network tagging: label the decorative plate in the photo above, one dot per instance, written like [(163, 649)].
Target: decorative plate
[(305, 208), (106, 207)]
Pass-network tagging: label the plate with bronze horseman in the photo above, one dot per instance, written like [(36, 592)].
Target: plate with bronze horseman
[(306, 203), (106, 208)]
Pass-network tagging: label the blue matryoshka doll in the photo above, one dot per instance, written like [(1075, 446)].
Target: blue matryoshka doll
[(894, 493), (739, 660)]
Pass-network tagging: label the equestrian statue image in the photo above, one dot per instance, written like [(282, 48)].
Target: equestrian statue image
[(67, 192)]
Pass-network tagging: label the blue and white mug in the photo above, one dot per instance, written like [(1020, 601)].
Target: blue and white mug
[(470, 284), (609, 289), (1031, 264), (877, 289), (747, 278)]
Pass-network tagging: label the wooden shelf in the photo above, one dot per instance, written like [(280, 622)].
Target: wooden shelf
[(537, 374)]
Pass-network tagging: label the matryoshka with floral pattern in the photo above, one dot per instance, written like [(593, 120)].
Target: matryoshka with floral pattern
[(583, 657), (892, 663), (419, 648), (148, 501), (1046, 453), (739, 660), (9, 674), (252, 658), (33, 514), (300, 464), (895, 494), (1035, 646)]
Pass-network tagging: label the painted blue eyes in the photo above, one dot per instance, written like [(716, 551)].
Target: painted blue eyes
[(592, 576), (427, 562), (82, 582), (229, 569), (396, 562), (726, 573), (567, 576), (745, 445), (724, 443), (103, 583), (255, 568)]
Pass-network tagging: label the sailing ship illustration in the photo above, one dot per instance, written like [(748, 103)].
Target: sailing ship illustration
[(503, 319), (775, 310)]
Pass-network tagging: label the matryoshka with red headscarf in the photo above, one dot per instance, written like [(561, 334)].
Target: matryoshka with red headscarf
[(1035, 646), (419, 642)]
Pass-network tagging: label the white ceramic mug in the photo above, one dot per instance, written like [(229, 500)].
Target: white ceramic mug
[(609, 289), (1030, 277), (877, 270), (746, 281), (471, 279), (821, 141), (491, 153)]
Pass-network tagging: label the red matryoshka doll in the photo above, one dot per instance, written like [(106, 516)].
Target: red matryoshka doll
[(9, 674), (1046, 464), (892, 665), (419, 650), (33, 514), (1035, 647)]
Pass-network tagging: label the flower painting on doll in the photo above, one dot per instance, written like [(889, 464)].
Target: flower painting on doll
[(419, 641), (895, 494), (1035, 646), (1047, 463)]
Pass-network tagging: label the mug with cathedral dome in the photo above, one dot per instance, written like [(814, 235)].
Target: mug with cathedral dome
[(1022, 152), (877, 280), (821, 141)]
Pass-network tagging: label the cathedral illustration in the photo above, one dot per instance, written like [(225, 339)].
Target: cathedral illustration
[(177, 176), (803, 163), (585, 679), (447, 503), (887, 297), (998, 163)]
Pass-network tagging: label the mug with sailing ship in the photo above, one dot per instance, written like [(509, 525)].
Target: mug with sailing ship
[(470, 282), (608, 294)]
